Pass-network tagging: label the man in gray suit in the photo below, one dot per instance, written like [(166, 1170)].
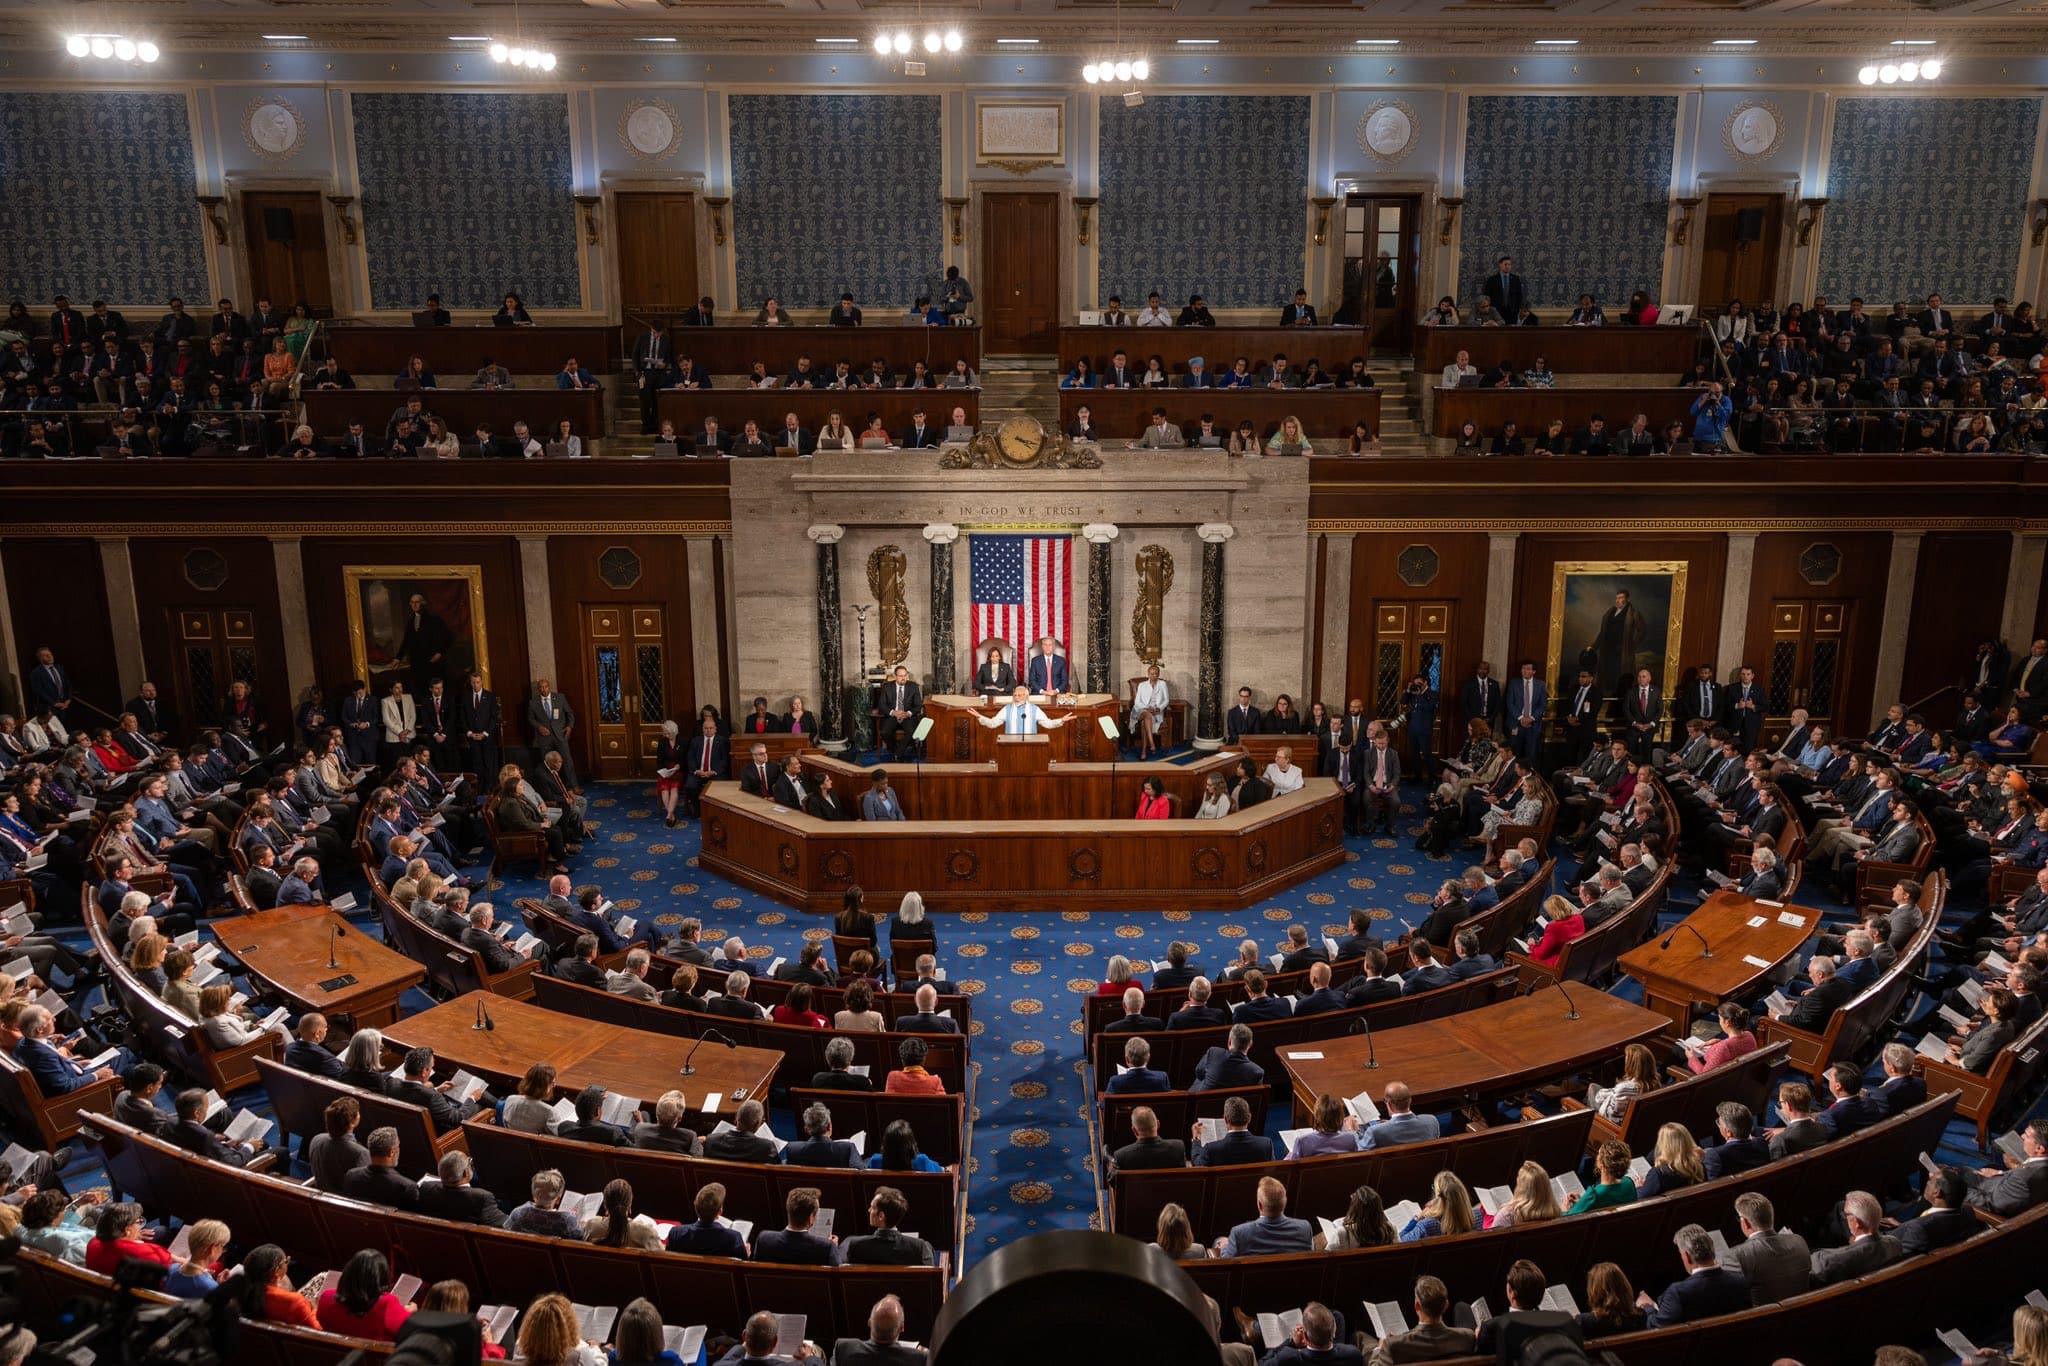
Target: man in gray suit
[(1776, 1260), (1272, 1231), (1431, 1339), (881, 1346), (1869, 1249), (1379, 785), (2022, 1186), (631, 981), (1161, 435), (1402, 1124), (549, 719)]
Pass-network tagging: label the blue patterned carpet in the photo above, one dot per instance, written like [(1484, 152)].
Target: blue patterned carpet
[(1031, 1166)]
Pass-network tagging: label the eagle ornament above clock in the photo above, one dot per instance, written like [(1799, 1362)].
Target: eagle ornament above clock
[(1019, 443)]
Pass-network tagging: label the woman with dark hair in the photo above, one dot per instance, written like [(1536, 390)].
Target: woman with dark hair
[(796, 1009), (517, 815), (266, 1293), (898, 1152), (531, 1109), (1176, 1237), (853, 920), (1249, 789), (512, 313), (1153, 803), (617, 1225), (117, 1237), (336, 1153), (1333, 1131), (452, 1297), (637, 1339), (1610, 1303), (1364, 1224), (360, 1304)]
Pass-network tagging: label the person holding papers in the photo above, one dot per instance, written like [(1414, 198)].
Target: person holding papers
[(712, 1235), (1402, 1124), (418, 1088), (191, 1133), (453, 1200), (229, 1026), (55, 1071), (1021, 716), (1981, 1048), (359, 1302), (1534, 1200), (1525, 1291), (1335, 1131), (617, 1226), (1431, 1339), (1615, 1186)]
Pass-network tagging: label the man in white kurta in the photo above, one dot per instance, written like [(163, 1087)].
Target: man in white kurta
[(1021, 716)]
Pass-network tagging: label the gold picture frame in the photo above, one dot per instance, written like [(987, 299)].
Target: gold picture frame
[(374, 596), (1581, 594), (1023, 134)]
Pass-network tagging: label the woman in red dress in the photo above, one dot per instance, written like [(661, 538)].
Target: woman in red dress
[(1153, 803)]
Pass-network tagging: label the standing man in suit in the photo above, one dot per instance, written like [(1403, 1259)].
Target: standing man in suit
[(902, 704), (1243, 719), (1642, 709), (1527, 701), (2029, 682), (424, 646), (1744, 700), (652, 353), (1481, 696), (1505, 290), (1047, 672), (152, 717), (49, 685), (548, 722), (1701, 699), (480, 722), (1579, 710)]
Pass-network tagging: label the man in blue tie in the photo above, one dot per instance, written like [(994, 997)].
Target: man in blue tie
[(1506, 290), (1047, 673), (1021, 716), (49, 687)]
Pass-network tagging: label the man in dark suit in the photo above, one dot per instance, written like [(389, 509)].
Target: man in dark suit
[(1813, 1009), (1238, 1144), (667, 1133), (417, 1088), (1745, 702), (1525, 1287), (1527, 702), (1373, 984), (710, 1236), (153, 717), (1258, 1005), (1242, 719), (1944, 1222), (191, 1134), (1198, 1013), (805, 968), (453, 1200), (1137, 1075), (2022, 1185), (1480, 696), (1134, 1018), (795, 1244), (1046, 673), (67, 332), (1801, 1131), (705, 759), (307, 1053), (480, 722), (1425, 974), (1507, 291), (1321, 999), (1298, 954), (1314, 1343), (1853, 1111), (926, 1019), (881, 1346), (757, 776), (1148, 1151), (1775, 1261), (1707, 1290), (817, 1148), (54, 1073), (1175, 972), (742, 1143), (901, 703), (381, 1183), (1901, 1090), (49, 685), (1361, 938), (579, 964), (1869, 1248), (920, 434), (887, 1245), (652, 353), (424, 646), (1739, 1150), (1223, 1069), (1641, 710), (496, 954), (1300, 313), (790, 788), (836, 1077)]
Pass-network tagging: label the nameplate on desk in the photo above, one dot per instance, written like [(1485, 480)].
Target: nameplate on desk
[(1755, 961), (347, 979), (1758, 920), (1797, 922), (1304, 1057)]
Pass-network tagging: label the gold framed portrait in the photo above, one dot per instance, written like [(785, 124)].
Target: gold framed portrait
[(387, 641), (1615, 617)]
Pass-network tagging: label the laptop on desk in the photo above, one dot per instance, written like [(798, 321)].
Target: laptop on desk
[(423, 317)]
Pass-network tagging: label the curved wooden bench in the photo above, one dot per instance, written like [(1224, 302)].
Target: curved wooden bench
[(1691, 1101), (938, 1122), (322, 1230), (301, 1100), (168, 1036), (1874, 880), (508, 846), (1176, 1111), (1987, 1096), (1856, 1027)]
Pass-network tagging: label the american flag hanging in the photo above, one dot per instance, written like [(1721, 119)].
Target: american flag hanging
[(1020, 587)]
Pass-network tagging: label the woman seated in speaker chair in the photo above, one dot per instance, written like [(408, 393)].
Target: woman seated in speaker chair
[(996, 676), (1148, 712), (1153, 803)]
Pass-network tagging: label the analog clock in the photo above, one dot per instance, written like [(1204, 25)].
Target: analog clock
[(1020, 439)]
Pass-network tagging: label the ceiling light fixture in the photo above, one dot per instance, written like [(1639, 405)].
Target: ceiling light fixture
[(1735, 42), (1912, 42), (654, 40), (1930, 69), (1016, 42), (1197, 42), (835, 40), (1557, 42), (469, 37), (932, 40), (526, 58), (1377, 42), (1125, 70), (111, 46), (284, 37), (1888, 74)]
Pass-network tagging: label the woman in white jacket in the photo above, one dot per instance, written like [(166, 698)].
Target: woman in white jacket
[(400, 720)]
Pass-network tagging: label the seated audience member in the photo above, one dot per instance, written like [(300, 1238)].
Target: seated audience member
[(1238, 1144), (1136, 1073), (1800, 1130), (1272, 1231), (911, 1078), (794, 1244), (616, 1225), (1614, 1186), (1147, 1151), (1449, 1210), (542, 1212), (2021, 1185), (888, 1245), (711, 1235), (454, 1200), (817, 1148), (336, 1153), (1706, 1290), (1869, 1247), (381, 1183), (1402, 1124)]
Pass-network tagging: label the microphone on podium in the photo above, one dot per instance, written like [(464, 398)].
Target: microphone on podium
[(334, 932), (690, 1071), (1372, 1059), (1706, 949), (1116, 752), (1571, 1006)]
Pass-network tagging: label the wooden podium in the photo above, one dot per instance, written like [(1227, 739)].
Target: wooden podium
[(1023, 755)]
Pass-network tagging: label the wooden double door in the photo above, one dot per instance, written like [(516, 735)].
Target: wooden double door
[(629, 679), (1809, 651), (1018, 298), (1408, 638), (286, 234), (218, 647), (657, 235)]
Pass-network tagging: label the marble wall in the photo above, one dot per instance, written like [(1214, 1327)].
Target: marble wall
[(96, 199), (467, 196)]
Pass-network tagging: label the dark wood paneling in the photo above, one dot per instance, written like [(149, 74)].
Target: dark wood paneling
[(375, 354), (161, 590), (59, 595), (1532, 410), (504, 605), (329, 411), (1460, 581), (732, 350), (1734, 269), (688, 408), (1958, 601), (1866, 564), (573, 581), (657, 234), (1020, 271), (1537, 556), (1326, 414), (293, 270), (1569, 350), (1218, 347)]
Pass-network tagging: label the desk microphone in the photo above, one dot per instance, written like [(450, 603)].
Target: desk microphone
[(334, 932), (1706, 949), (690, 1071), (1570, 1005), (483, 1015), (1372, 1059)]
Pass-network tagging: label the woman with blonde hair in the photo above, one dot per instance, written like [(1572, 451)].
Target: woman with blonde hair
[(1638, 1078), (224, 1027), (1449, 1210), (1534, 1200), (549, 1335), (668, 771), (1289, 439), (1675, 1164)]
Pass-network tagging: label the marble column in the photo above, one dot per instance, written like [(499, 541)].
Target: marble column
[(1335, 626), (286, 554), (831, 668), (1898, 612), (1099, 535), (703, 626), (1735, 603), (1209, 696), (1500, 600), (123, 613), (2022, 588), (12, 692), (942, 535), (540, 618)]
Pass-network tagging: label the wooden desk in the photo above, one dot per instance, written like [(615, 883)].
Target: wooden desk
[(1068, 864), (1607, 350), (375, 354), (687, 408), (631, 1061), (1676, 976), (1217, 346), (980, 792), (1480, 1053), (729, 350), (1327, 415), (287, 950), (957, 737), (1532, 409), (329, 411)]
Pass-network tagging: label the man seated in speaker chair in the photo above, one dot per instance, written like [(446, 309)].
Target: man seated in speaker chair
[(1022, 716), (996, 675)]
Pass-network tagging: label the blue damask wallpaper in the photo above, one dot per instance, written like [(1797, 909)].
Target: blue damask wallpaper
[(832, 193), (1204, 194), (1575, 187), (1926, 195), (96, 200), (468, 197)]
